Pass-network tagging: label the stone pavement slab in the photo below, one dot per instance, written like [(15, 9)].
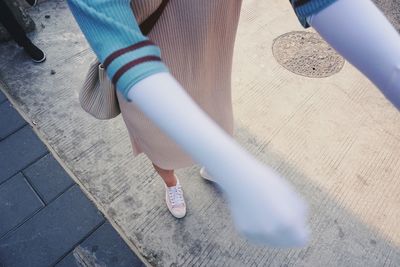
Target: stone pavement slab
[(42, 240), (48, 178), (2, 97), (18, 201), (10, 119), (18, 151), (335, 139), (104, 248)]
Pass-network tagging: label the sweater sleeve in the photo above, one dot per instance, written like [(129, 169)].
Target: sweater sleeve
[(114, 35), (306, 8)]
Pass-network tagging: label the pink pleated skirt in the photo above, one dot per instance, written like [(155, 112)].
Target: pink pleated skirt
[(196, 38)]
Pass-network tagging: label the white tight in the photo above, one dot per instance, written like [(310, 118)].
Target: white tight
[(264, 206), (359, 31)]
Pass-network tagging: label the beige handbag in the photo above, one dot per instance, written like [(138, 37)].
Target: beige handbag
[(98, 96)]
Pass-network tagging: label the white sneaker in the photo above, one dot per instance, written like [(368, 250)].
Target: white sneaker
[(175, 201), (206, 175)]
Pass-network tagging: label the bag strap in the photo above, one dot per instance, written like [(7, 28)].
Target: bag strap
[(147, 25)]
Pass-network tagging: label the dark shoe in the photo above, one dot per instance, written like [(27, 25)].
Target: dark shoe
[(32, 2), (35, 53)]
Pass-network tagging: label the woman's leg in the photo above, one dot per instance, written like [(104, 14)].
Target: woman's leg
[(360, 32), (167, 175), (173, 192)]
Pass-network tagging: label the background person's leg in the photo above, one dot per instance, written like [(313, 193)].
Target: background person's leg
[(360, 32), (18, 34), (12, 25)]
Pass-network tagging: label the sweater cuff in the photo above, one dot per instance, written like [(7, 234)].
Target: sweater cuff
[(306, 8), (134, 75), (125, 67)]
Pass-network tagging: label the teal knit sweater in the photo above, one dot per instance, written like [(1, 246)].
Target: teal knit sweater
[(114, 35), (128, 56)]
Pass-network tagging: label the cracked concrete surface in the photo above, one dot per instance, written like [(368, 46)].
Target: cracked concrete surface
[(336, 139)]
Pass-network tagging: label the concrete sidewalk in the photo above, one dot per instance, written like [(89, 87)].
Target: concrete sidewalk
[(335, 138)]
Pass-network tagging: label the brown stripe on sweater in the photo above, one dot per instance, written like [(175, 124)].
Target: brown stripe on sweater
[(298, 3), (125, 50), (132, 64)]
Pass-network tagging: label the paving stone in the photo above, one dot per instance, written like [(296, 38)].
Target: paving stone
[(10, 120), (17, 202), (52, 232), (2, 97), (68, 261), (103, 248), (19, 150), (48, 178)]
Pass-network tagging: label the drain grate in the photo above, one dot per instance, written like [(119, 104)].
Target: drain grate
[(306, 54)]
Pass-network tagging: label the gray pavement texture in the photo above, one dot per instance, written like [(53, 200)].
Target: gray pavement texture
[(336, 139), (45, 219)]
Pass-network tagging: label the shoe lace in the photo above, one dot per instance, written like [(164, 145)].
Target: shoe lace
[(176, 196)]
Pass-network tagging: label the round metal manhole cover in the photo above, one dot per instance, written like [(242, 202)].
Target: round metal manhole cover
[(307, 54)]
